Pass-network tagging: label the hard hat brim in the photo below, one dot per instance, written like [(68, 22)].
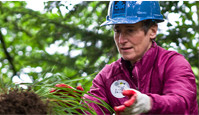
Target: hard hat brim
[(128, 21)]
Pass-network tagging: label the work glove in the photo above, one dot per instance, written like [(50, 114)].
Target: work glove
[(138, 103)]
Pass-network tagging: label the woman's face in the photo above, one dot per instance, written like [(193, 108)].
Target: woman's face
[(131, 41)]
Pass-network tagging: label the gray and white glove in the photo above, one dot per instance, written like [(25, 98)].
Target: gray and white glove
[(138, 103)]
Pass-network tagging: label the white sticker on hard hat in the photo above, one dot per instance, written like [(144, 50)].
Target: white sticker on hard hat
[(139, 2), (117, 87)]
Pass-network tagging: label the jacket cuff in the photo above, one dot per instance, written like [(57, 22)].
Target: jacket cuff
[(152, 109)]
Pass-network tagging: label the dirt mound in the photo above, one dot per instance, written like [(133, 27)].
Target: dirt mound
[(22, 102)]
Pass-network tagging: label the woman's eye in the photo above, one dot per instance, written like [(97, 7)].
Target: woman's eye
[(117, 31), (130, 30)]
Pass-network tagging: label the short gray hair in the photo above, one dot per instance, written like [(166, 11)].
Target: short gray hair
[(146, 24)]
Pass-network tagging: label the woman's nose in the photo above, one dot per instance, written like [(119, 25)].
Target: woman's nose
[(122, 38)]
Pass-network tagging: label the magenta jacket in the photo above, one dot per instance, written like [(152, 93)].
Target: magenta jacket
[(165, 76)]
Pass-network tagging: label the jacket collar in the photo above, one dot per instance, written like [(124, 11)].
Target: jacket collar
[(145, 63)]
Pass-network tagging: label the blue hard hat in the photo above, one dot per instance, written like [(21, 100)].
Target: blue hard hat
[(130, 12)]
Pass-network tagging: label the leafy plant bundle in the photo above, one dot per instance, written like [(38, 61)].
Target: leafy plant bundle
[(37, 99)]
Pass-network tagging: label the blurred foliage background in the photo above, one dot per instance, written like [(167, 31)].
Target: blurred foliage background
[(65, 40)]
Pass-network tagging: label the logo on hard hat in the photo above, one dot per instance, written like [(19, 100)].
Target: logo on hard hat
[(120, 5), (119, 8)]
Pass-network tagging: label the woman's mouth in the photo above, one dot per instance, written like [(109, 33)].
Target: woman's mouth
[(126, 49)]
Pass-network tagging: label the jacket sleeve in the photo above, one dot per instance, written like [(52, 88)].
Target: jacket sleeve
[(179, 89), (98, 89)]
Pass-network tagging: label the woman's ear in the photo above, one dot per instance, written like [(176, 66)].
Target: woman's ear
[(153, 31)]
